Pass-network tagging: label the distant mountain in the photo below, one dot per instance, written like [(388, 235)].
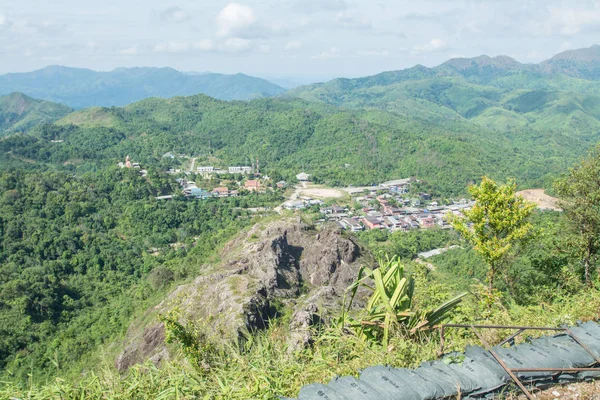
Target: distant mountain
[(582, 63), (80, 88), (562, 93), (19, 112)]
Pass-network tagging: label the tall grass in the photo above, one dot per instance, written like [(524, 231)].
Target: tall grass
[(265, 368)]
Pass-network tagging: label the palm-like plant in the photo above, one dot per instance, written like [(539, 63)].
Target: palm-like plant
[(390, 305)]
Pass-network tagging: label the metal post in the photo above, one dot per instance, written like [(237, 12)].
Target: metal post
[(503, 365)]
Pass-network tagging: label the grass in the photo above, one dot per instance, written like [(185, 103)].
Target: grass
[(265, 368)]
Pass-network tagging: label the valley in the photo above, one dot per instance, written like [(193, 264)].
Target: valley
[(172, 235)]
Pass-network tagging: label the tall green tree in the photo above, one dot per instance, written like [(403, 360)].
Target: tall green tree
[(580, 199), (498, 220)]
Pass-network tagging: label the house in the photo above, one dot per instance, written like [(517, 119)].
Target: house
[(168, 155), (295, 205), (303, 177), (240, 170), (167, 197), (351, 224), (197, 193), (372, 223), (337, 216), (221, 192), (252, 185), (427, 222), (281, 184), (206, 170), (393, 224)]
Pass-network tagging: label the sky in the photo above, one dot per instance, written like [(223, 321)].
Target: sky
[(296, 39)]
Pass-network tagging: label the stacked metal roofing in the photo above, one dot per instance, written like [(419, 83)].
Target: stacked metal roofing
[(477, 373)]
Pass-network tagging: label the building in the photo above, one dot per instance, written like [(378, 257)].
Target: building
[(281, 184), (197, 193), (221, 192), (240, 170), (372, 223), (303, 177), (252, 185), (206, 170), (351, 224), (295, 205)]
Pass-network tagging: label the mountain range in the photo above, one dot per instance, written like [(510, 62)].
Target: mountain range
[(499, 93), (448, 125), (81, 88)]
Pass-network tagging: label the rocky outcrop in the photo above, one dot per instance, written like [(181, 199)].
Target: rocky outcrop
[(287, 261)]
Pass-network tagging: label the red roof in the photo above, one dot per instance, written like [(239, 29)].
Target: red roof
[(252, 183), (221, 190)]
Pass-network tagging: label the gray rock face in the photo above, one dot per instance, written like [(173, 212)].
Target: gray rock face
[(278, 261)]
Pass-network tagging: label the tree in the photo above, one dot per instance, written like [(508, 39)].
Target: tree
[(580, 200), (498, 220)]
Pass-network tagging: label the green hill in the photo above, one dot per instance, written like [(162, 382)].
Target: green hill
[(80, 88), (498, 92), (19, 112), (337, 146)]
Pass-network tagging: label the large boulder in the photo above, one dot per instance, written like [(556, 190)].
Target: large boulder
[(287, 261)]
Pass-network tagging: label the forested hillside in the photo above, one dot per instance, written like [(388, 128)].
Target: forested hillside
[(555, 97), (82, 254), (80, 88), (337, 146), (18, 113)]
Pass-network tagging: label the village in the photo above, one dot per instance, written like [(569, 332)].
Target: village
[(390, 205)]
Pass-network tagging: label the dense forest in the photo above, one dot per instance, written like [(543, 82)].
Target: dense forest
[(75, 248)]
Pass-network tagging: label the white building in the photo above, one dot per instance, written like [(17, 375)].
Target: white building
[(303, 177), (206, 170), (240, 170)]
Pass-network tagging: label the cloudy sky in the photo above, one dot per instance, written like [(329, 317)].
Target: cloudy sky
[(296, 38)]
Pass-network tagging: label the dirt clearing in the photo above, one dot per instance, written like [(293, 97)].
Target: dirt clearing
[(322, 193), (539, 197)]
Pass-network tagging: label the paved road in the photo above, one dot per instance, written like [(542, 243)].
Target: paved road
[(293, 196)]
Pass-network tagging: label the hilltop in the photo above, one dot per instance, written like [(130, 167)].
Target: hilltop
[(81, 88), (19, 112)]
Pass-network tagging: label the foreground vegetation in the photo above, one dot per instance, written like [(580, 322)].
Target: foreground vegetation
[(265, 368)]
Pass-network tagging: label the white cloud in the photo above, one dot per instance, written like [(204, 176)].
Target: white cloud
[(228, 45), (325, 55), (235, 45), (371, 53), (434, 45), (315, 6), (130, 51), (235, 19), (172, 47), (350, 20), (568, 21), (92, 45), (293, 44), (174, 14), (204, 45)]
